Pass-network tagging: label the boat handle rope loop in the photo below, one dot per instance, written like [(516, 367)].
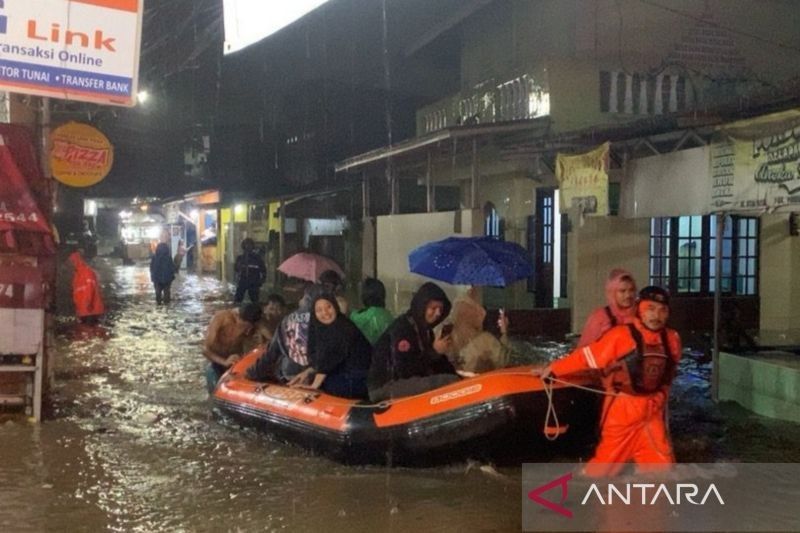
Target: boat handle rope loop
[(551, 432)]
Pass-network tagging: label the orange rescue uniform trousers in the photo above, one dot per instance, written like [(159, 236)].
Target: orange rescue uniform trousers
[(632, 426)]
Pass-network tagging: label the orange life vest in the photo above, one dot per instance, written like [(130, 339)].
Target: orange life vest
[(644, 370)]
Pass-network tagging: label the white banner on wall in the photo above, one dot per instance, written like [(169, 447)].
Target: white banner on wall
[(85, 50), (756, 166), (667, 185)]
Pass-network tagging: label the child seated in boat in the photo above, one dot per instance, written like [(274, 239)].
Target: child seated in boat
[(272, 312), (340, 354)]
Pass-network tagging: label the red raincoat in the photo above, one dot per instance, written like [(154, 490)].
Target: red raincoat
[(85, 289), (632, 425)]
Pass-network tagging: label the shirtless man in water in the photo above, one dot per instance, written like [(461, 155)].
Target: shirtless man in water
[(225, 337)]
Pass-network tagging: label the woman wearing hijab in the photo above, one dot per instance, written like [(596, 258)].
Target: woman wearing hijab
[(86, 291), (288, 353), (340, 356), (408, 359), (162, 272), (621, 308)]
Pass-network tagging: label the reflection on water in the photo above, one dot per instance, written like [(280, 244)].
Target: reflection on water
[(130, 443)]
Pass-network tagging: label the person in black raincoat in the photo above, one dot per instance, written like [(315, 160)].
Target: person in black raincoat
[(340, 354), (251, 272), (407, 359), (162, 272)]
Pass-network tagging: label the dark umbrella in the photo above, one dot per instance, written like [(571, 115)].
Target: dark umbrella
[(472, 261)]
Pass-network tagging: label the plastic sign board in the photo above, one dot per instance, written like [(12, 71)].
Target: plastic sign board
[(80, 155), (85, 50)]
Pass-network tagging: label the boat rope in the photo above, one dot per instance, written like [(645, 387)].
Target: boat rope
[(552, 435), (553, 430), (385, 404)]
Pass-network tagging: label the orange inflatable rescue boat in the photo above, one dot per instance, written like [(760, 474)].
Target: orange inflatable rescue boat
[(501, 415)]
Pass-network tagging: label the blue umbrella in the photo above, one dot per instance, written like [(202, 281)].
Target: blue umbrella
[(472, 261)]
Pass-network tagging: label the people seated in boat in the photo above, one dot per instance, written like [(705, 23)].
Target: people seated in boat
[(225, 337), (333, 283), (340, 354), (475, 349), (620, 308), (374, 319), (407, 358), (288, 353), (272, 312)]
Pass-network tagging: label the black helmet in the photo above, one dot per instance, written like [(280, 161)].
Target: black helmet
[(654, 294)]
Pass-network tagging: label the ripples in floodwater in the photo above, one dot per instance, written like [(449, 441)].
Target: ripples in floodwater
[(130, 443)]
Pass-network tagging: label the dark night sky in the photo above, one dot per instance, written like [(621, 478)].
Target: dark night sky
[(322, 76)]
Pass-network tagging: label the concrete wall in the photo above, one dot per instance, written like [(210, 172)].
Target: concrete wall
[(779, 280), (603, 243), (369, 266), (767, 384), (570, 41), (397, 235), (513, 198)]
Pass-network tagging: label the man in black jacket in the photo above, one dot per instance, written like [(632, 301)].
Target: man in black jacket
[(407, 359), (250, 272)]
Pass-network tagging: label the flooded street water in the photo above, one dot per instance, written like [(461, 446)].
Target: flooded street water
[(130, 443)]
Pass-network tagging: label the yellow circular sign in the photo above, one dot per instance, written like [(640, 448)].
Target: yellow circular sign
[(80, 155)]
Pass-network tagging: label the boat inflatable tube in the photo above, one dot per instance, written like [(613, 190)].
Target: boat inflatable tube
[(499, 416)]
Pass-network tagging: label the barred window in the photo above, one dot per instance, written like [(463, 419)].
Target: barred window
[(691, 241), (659, 251), (492, 226), (690, 254)]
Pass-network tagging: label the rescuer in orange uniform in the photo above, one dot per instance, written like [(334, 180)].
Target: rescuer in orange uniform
[(86, 291), (637, 362), (621, 308)]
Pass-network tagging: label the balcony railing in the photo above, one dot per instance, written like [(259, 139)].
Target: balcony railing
[(517, 99)]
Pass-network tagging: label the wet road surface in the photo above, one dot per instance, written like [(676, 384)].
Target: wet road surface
[(130, 442)]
